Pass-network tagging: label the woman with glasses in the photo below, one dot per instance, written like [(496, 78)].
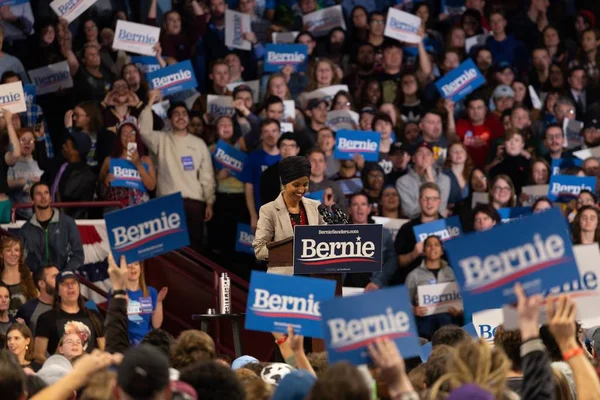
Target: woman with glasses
[(341, 101), (502, 192), (120, 103), (70, 346), (389, 207), (408, 99), (585, 228)]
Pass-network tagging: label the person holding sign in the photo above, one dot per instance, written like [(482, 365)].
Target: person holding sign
[(433, 270), (129, 180), (278, 218)]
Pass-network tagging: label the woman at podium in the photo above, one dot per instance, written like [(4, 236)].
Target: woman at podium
[(277, 219)]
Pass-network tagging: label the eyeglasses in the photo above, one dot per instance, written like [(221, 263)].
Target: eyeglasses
[(378, 22), (343, 103), (501, 189), (430, 198), (72, 341), (26, 141)]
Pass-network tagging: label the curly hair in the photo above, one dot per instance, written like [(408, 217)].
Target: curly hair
[(191, 346), (477, 363), (27, 285)]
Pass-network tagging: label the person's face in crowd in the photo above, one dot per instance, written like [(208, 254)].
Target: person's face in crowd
[(336, 41), (120, 88), (11, 254), (41, 197), (373, 92), (270, 134), (540, 173), (68, 290), (551, 102), (585, 199), (342, 103), (451, 61), (591, 136), (377, 25), (390, 110), (409, 85), (48, 285), (324, 74), (432, 249), (483, 222), (554, 139), (478, 181), (319, 113), (392, 58), (429, 202), (580, 24), (91, 31), (502, 192), (27, 143), (278, 87), (541, 59), (235, 66), (384, 128), (48, 35), (107, 36), (365, 58), (471, 25), (196, 126), (69, 150), (180, 119), (275, 111), (541, 206), (431, 126), (247, 6), (308, 41), (520, 91), (325, 140), (4, 299), (71, 347), (360, 209), (246, 97), (133, 272), (225, 128), (589, 41), (422, 12), (399, 159), (457, 154), (366, 121), (519, 119), (514, 146), (296, 188), (217, 9), (80, 118), (588, 222), (390, 200), (505, 77), (476, 111), (504, 103), (578, 80), (423, 158), (562, 111), (288, 148), (375, 179), (317, 164), (307, 6), (497, 23), (411, 132), (457, 38), (484, 60), (551, 38), (16, 342), (91, 57), (220, 75), (132, 76), (360, 19), (556, 77), (173, 23)]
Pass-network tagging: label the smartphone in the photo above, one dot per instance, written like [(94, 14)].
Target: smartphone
[(131, 148)]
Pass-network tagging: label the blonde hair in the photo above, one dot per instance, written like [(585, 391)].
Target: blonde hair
[(313, 83), (474, 362)]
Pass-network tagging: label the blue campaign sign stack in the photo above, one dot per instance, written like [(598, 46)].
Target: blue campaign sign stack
[(508, 214), (461, 81), (445, 229), (227, 156), (146, 64), (244, 239), (126, 174), (173, 79), (349, 143), (350, 324), (280, 55), (322, 249), (535, 251), (149, 229), (276, 301), (564, 188)]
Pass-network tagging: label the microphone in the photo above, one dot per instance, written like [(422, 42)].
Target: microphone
[(341, 216), (327, 217)]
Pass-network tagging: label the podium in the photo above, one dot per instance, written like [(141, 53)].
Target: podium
[(281, 254)]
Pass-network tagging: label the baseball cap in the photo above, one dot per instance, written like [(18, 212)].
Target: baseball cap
[(424, 145), (64, 275), (502, 65), (131, 121), (397, 147), (503, 91), (143, 372), (82, 142), (592, 122), (314, 103), (54, 369), (368, 110)]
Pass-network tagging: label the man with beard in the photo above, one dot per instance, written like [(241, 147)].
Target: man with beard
[(365, 67), (50, 237), (184, 165), (590, 133), (45, 280)]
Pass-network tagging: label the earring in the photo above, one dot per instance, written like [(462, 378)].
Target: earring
[(26, 347)]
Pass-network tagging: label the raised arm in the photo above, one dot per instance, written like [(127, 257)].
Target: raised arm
[(12, 155), (149, 136)]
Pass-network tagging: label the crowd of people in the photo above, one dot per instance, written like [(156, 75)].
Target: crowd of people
[(537, 112)]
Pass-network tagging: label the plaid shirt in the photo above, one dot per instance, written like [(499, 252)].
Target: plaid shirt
[(31, 116)]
